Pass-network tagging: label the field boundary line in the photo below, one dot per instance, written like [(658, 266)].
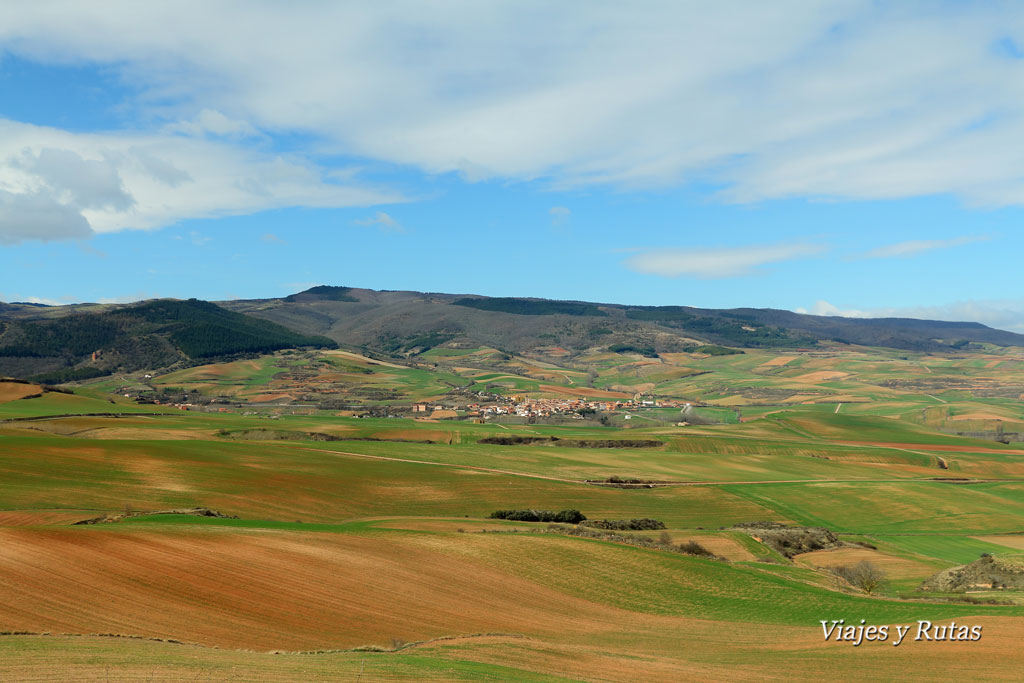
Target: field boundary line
[(444, 464), (666, 484), (175, 641)]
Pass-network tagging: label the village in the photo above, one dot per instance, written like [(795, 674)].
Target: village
[(486, 406), (529, 407)]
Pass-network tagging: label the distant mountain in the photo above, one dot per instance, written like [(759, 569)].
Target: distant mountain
[(79, 345), (405, 323), (63, 343)]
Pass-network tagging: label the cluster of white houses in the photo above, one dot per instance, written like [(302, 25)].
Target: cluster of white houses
[(520, 406)]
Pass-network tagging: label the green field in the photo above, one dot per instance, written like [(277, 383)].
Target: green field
[(351, 532)]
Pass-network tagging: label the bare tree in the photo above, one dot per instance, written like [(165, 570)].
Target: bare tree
[(864, 575), (867, 576)]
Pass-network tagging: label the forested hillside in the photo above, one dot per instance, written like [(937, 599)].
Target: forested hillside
[(148, 335), (57, 343), (408, 323)]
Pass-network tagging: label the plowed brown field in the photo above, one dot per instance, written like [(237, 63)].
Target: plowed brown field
[(729, 548), (691, 650), (12, 518), (777, 362), (1015, 541), (12, 391), (269, 590), (821, 376), (894, 567), (983, 416)]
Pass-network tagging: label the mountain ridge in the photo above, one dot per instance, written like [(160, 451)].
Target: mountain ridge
[(393, 321), (150, 334), (405, 323)]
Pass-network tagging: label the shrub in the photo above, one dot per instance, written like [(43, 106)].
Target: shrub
[(642, 524), (562, 517), (69, 375), (694, 548), (712, 350), (864, 575), (646, 351), (664, 543), (531, 306), (570, 517)]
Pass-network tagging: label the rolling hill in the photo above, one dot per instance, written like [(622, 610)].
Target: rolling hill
[(57, 343), (147, 335), (396, 322), (357, 530)]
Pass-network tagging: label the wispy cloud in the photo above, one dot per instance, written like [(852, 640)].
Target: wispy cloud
[(780, 99), (822, 307), (212, 123), (58, 185), (382, 221), (271, 237), (1004, 314), (42, 300), (708, 263), (87, 248), (559, 215), (127, 298), (912, 247)]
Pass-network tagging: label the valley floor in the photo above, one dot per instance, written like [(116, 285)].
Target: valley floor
[(372, 555)]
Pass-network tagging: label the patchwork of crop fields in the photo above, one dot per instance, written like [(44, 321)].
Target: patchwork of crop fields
[(362, 548)]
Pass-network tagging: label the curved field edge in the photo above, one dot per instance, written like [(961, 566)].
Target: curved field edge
[(726, 655), (283, 589)]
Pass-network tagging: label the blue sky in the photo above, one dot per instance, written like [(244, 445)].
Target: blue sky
[(857, 158)]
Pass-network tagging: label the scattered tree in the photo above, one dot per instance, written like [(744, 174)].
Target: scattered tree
[(864, 575)]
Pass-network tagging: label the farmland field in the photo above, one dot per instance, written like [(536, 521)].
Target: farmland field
[(356, 539), (511, 341)]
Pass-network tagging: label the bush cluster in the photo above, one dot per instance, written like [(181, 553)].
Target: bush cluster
[(562, 517), (642, 524), (663, 543)]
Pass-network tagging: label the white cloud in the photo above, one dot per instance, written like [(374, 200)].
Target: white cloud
[(37, 216), (716, 262), (60, 185), (1004, 314), (127, 298), (271, 237), (382, 221), (44, 301), (559, 215), (78, 182), (822, 307), (912, 247), (833, 98), (210, 122)]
